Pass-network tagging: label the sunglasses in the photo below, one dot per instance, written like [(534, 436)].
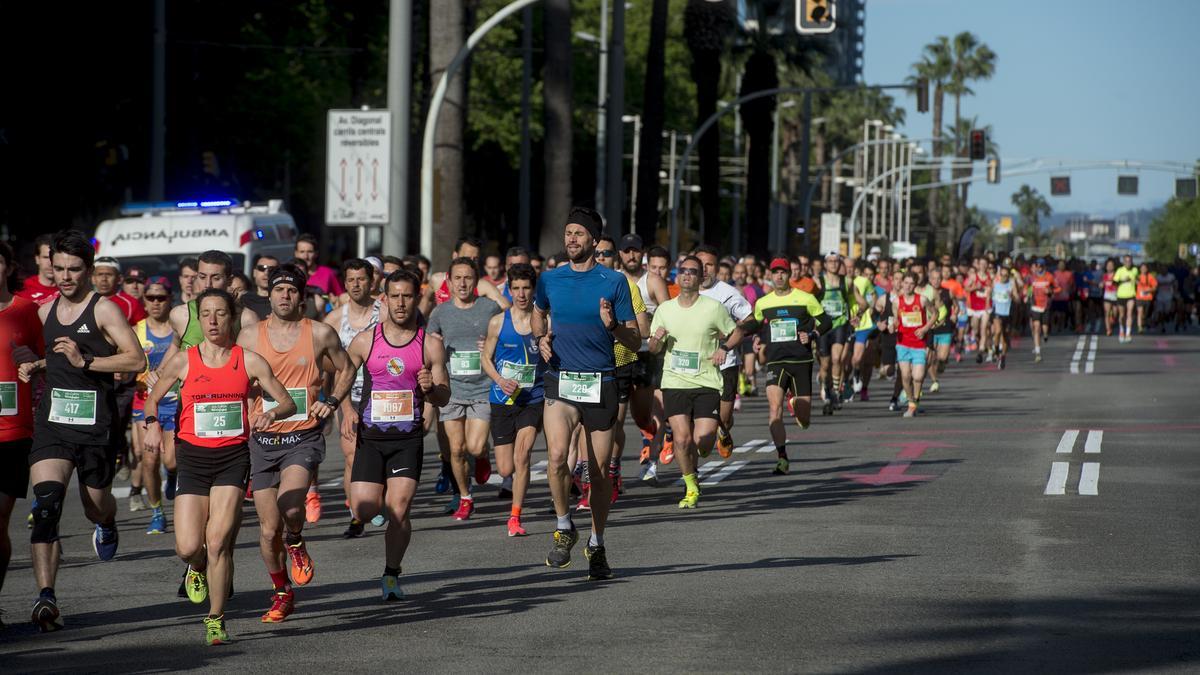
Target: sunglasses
[(605, 254), (265, 268), (156, 298), (694, 271)]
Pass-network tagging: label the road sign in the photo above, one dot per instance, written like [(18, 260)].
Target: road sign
[(831, 232), (1185, 188), (903, 249), (1127, 185), (816, 16), (358, 155), (1060, 186)]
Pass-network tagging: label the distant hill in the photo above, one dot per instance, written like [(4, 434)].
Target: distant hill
[(1139, 219)]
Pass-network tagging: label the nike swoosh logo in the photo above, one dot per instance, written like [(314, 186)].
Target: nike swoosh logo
[(396, 471)]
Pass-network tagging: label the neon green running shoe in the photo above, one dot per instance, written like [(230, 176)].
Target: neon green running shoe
[(214, 630), (196, 584), (689, 500), (781, 467)]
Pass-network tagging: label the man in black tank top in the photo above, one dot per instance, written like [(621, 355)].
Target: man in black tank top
[(87, 340)]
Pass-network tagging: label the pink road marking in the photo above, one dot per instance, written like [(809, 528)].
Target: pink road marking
[(895, 471), (1132, 429), (1169, 360)]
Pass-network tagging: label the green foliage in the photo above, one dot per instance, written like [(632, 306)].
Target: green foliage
[(1031, 208), (1179, 223), (494, 98)]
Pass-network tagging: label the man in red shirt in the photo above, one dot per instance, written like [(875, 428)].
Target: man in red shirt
[(40, 289), (1042, 287), (134, 283), (106, 279), (1060, 303)]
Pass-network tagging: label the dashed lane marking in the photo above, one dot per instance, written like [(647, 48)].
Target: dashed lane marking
[(1089, 479), (1067, 442), (723, 473), (1057, 485), (1092, 444)]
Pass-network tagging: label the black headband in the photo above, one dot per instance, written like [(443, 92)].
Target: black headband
[(281, 277), (589, 219)]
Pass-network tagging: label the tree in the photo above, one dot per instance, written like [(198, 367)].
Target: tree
[(446, 22), (557, 151), (1179, 223), (650, 159), (935, 66), (960, 136), (707, 25), (970, 60), (1031, 208)]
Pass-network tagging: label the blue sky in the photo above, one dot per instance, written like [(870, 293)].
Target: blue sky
[(1076, 79)]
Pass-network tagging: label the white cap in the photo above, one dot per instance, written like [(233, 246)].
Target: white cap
[(107, 261), (375, 262)]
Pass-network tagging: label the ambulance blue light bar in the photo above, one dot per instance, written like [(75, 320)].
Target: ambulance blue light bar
[(136, 208)]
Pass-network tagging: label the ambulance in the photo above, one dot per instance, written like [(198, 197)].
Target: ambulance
[(157, 236)]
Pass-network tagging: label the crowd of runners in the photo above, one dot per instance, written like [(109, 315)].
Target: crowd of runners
[(210, 390)]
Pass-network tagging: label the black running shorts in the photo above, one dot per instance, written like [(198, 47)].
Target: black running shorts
[(699, 403), (95, 465), (796, 377), (507, 420), (594, 416), (729, 382), (377, 460), (199, 469)]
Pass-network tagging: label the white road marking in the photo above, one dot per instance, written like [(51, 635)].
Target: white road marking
[(766, 448), (1078, 354), (1057, 485), (703, 471), (1067, 442), (1089, 479), (1091, 358), (538, 471), (1094, 439), (749, 445), (724, 473)]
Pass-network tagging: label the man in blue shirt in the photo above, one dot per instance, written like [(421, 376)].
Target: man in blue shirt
[(580, 308)]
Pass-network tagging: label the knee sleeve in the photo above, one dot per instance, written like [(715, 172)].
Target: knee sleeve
[(49, 497)]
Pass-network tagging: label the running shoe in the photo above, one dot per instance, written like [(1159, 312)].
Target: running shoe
[(585, 501), (302, 563), (903, 400), (737, 402), (894, 406), (645, 454), (312, 506), (282, 606), (465, 508), (689, 500), (390, 585), (856, 383), (137, 503), (724, 443), (214, 630), (598, 569), (667, 454), (158, 523), (1037, 357), (935, 387), (979, 357), (912, 410), (442, 486), (104, 541), (781, 467), (649, 471), (379, 520), (618, 483), (864, 396), (354, 530), (514, 527), (560, 555), (45, 614), (196, 584), (826, 409), (169, 487), (451, 506), (483, 469), (1002, 362)]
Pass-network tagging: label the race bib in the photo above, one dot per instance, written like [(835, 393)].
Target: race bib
[(685, 362), (524, 373), (1110, 296), (71, 406), (464, 363), (911, 320), (579, 387), (8, 399), (833, 305), (300, 396), (392, 406), (218, 420), (783, 330), (1001, 296)]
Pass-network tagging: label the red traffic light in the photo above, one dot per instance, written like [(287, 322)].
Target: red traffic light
[(1060, 186), (978, 144)]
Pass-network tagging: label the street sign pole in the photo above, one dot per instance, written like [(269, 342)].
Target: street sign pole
[(395, 233), (358, 163)]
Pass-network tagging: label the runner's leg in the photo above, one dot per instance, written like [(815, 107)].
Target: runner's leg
[(224, 512)]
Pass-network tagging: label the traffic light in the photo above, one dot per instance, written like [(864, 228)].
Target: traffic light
[(1060, 186), (993, 170), (1185, 188), (978, 144), (923, 95), (1127, 185), (816, 16)]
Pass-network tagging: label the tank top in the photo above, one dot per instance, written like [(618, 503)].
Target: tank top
[(212, 410), (78, 407), (155, 348), (346, 334), (296, 369), (946, 325), (912, 316), (392, 400), (644, 287), (833, 301), (518, 359), (1002, 297), (978, 298)]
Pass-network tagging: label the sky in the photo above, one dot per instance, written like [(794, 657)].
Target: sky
[(1075, 79)]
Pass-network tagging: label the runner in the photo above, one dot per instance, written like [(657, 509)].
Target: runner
[(752, 290), (401, 371), (462, 325), (1004, 289), (588, 306), (41, 288), (513, 363), (917, 316), (74, 428), (155, 335), (1125, 277), (22, 344), (1147, 286), (740, 312), (939, 338), (1061, 310), (866, 336), (466, 247), (646, 401), (696, 334), (212, 453), (1042, 287), (187, 279), (833, 293), (790, 321), (258, 300), (1112, 309), (979, 294), (284, 456), (323, 277), (360, 312)]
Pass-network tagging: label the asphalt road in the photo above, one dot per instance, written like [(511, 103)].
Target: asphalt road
[(895, 545)]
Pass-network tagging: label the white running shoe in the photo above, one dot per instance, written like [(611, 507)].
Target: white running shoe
[(649, 471)]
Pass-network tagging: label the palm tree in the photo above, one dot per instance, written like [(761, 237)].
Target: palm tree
[(971, 60), (556, 112), (935, 66), (707, 25), (446, 21), (653, 117), (1031, 207)]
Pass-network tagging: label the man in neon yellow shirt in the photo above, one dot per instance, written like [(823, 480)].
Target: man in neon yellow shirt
[(1126, 278), (697, 333)]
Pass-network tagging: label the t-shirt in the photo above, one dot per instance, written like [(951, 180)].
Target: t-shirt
[(868, 290), (694, 333), (461, 331), (130, 306), (1165, 285), (259, 304), (735, 304), (325, 278), (36, 292), (1042, 287), (783, 318), (1126, 280), (582, 343), (20, 326), (805, 284), (1146, 285), (621, 354), (1066, 285), (1002, 297)]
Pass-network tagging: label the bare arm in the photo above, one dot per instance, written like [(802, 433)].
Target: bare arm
[(488, 290), (130, 358), (170, 371), (330, 350), (258, 368), (433, 378), (488, 352)]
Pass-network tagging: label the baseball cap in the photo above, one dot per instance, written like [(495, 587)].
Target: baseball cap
[(135, 274), (780, 263), (1040, 261), (630, 241), (107, 261), (159, 280), (833, 254)]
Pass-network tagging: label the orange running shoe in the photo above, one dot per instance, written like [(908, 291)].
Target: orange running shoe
[(667, 454), (302, 564), (514, 527), (724, 443), (282, 606), (312, 506)]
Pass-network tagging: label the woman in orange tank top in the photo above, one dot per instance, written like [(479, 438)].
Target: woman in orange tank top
[(212, 457)]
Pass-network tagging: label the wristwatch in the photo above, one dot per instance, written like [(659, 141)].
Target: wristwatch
[(332, 401), (151, 419), (87, 362)]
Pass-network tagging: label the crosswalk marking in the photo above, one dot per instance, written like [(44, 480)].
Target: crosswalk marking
[(1089, 479), (703, 471), (1057, 485), (1067, 442), (768, 448), (538, 471), (723, 473), (1094, 439), (747, 447), (1091, 358)]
